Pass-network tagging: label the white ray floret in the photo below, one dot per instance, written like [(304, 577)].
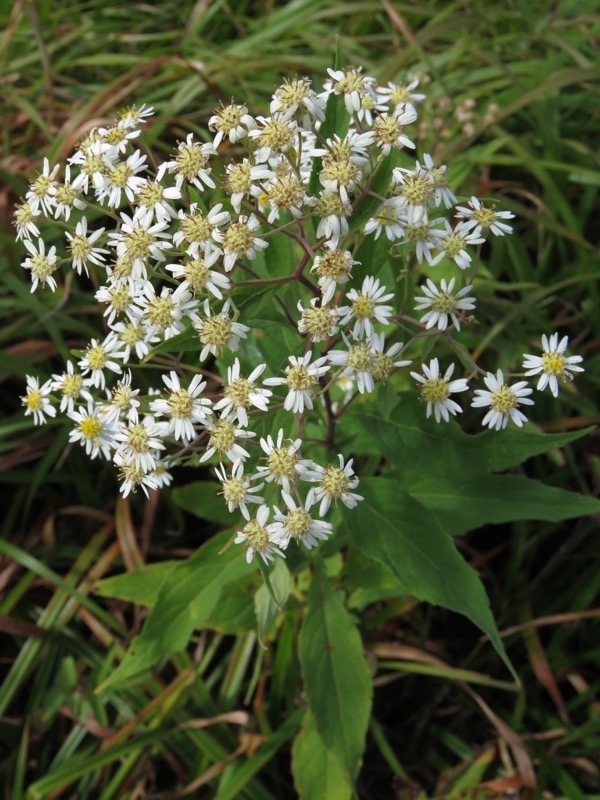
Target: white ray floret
[(503, 401), (435, 390), (297, 524), (553, 364)]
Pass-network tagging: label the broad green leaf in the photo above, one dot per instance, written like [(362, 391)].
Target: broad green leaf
[(234, 614), (317, 773), (140, 586), (461, 506), (336, 675), (185, 602), (200, 498), (270, 599), (186, 340), (394, 529)]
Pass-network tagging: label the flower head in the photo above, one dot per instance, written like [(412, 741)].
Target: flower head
[(503, 400), (553, 364)]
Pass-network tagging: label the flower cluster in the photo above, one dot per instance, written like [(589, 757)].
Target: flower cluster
[(170, 262)]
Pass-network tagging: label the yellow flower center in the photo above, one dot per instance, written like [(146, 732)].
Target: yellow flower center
[(160, 312), (90, 428), (238, 239), (503, 400), (222, 437), (435, 390), (216, 330), (298, 378), (281, 464), (298, 523), (363, 307), (238, 392), (180, 403), (553, 363), (190, 159), (335, 482)]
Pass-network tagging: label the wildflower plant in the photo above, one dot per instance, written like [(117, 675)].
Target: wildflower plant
[(271, 269)]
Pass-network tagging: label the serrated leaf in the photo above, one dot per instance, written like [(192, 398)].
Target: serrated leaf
[(317, 773), (336, 675), (394, 529), (185, 602)]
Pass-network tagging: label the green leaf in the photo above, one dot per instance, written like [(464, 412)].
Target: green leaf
[(317, 773), (394, 529), (185, 602), (182, 342), (336, 675), (200, 498), (461, 506), (368, 205), (272, 596), (140, 586)]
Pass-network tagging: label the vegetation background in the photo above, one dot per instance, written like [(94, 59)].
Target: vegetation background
[(513, 108)]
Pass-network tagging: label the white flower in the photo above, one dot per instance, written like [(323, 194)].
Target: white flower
[(24, 217), (442, 305), (358, 363), (282, 459), (120, 297), (297, 97), (153, 196), (318, 322), (504, 401), (237, 491), (241, 393), (36, 400), (398, 93), (552, 364), (119, 136), (335, 483), (274, 134), (477, 214), (132, 477), (300, 378), (242, 180), (100, 356), (81, 247), (67, 195), (435, 390), (41, 191), (298, 524), (256, 537), (123, 177), (71, 386), (93, 431), (123, 402), (333, 266), (218, 331), (139, 239), (453, 243), (366, 307), (333, 212), (232, 121), (238, 240), (41, 264), (384, 362), (163, 314), (389, 220), (199, 276), (389, 129), (351, 85), (133, 115), (426, 236), (183, 407), (199, 231), (94, 161), (222, 440), (137, 443), (134, 336), (190, 164)]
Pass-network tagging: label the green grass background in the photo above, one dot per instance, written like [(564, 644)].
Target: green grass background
[(513, 107)]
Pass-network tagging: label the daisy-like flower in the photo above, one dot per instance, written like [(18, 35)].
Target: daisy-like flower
[(335, 483), (199, 231), (71, 387), (486, 218), (398, 94), (333, 213), (256, 537), (241, 393), (285, 192), (384, 363), (333, 267), (439, 176), (274, 134), (183, 407), (190, 164), (223, 436), (552, 364), (358, 363), (300, 377), (41, 191), (67, 196), (297, 524), (119, 136), (123, 402), (36, 400), (132, 478), (239, 241), (138, 442), (297, 97), (453, 243), (426, 236), (282, 459), (436, 389), (232, 121), (163, 314), (153, 196), (123, 178), (94, 162), (503, 400), (133, 116), (120, 297), (198, 275), (370, 105), (243, 179), (41, 264), (351, 85), (318, 322), (442, 305), (218, 331), (138, 240), (100, 356), (133, 336), (237, 490), (366, 307), (389, 129), (82, 249), (93, 431), (24, 220), (389, 220)]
